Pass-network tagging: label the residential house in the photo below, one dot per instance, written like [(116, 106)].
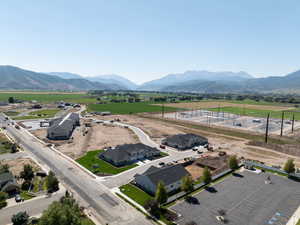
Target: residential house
[(62, 128), (8, 183), (185, 141), (128, 154), (170, 176)]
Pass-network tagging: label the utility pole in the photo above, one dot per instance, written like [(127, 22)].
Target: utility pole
[(267, 128), (163, 110), (281, 129), (293, 123)]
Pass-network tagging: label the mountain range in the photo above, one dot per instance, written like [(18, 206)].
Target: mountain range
[(190, 81)]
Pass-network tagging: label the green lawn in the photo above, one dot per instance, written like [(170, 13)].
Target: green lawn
[(135, 193), (92, 162), (298, 222), (256, 112), (128, 108), (26, 196), (11, 113), (5, 144), (86, 221), (39, 114)]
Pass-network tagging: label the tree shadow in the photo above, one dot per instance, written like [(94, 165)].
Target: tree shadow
[(237, 175), (211, 189)]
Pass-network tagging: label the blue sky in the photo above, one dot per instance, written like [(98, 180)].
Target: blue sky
[(146, 39)]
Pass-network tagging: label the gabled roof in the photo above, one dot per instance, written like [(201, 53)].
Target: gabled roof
[(6, 177), (123, 152), (185, 139), (167, 175)]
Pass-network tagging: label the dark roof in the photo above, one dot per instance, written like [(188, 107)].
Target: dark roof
[(122, 152), (167, 175), (5, 177), (185, 140), (67, 122)]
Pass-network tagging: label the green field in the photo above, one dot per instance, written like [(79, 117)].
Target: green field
[(256, 112), (39, 114), (49, 97), (92, 162), (135, 193), (11, 113), (128, 108)]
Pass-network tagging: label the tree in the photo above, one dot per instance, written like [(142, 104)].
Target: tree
[(14, 148), (20, 218), (63, 212), (161, 195), (206, 176), (3, 197), (152, 207), (233, 162), (27, 174), (187, 184), (52, 182), (289, 166), (11, 100)]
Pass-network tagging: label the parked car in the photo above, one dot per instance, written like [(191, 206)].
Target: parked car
[(195, 149), (161, 163), (17, 127), (18, 198), (162, 146)]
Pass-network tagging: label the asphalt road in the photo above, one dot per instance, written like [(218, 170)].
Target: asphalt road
[(33, 207), (106, 207), (16, 155)]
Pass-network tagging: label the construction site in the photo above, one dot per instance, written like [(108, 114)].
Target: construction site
[(224, 119)]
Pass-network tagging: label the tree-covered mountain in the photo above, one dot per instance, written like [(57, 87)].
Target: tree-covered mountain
[(20, 79)]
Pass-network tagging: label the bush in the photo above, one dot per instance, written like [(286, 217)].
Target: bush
[(26, 185), (3, 204)]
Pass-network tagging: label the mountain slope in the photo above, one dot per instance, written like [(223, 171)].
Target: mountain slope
[(176, 79), (114, 79), (66, 75), (16, 78)]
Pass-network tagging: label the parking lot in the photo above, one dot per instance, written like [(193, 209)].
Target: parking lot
[(245, 199)]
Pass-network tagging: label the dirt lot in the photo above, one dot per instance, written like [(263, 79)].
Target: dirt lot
[(195, 171), (156, 130), (215, 104), (16, 165), (98, 137)]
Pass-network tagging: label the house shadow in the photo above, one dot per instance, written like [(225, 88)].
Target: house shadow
[(237, 175)]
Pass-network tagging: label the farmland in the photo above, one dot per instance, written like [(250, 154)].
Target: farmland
[(257, 112), (128, 108), (47, 97)]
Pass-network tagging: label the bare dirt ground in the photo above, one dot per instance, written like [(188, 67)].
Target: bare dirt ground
[(195, 171), (97, 137), (156, 130), (215, 104), (16, 165)]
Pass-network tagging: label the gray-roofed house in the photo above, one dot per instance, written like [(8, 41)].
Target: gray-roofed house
[(185, 141), (8, 183), (128, 154), (170, 176), (62, 128)]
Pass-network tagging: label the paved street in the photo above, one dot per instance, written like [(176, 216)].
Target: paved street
[(107, 207), (32, 207), (13, 155)]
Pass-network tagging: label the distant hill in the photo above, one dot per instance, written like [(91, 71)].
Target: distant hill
[(114, 79), (285, 84), (20, 79), (66, 75), (192, 76)]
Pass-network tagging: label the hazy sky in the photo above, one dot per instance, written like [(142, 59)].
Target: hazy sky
[(146, 39)]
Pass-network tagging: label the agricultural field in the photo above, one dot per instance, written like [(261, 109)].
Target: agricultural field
[(92, 162), (288, 114), (235, 104), (128, 108), (48, 97)]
